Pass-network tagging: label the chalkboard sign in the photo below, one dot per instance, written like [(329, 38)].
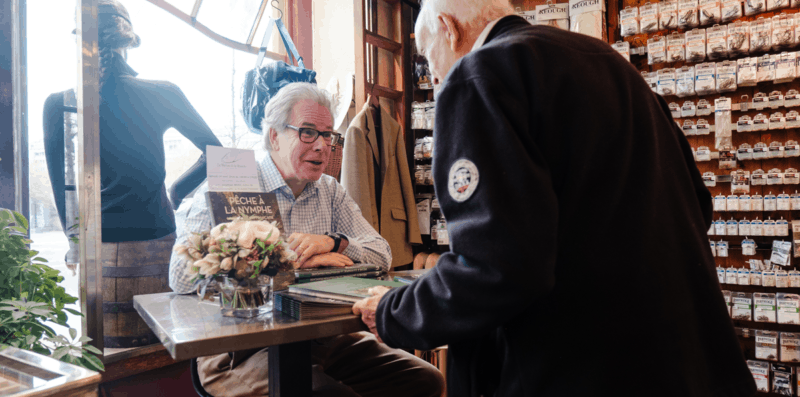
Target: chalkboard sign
[(227, 206)]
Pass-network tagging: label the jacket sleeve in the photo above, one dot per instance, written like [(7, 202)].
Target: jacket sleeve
[(502, 237), (414, 236), (355, 178)]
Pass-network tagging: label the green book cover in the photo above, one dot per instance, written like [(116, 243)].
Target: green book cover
[(351, 289)]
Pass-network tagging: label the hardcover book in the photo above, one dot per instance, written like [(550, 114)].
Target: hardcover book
[(305, 274), (304, 307), (227, 206), (350, 289)]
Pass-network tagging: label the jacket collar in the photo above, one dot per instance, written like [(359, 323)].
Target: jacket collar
[(489, 32), (372, 135)]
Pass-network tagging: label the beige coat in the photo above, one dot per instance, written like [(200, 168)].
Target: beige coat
[(397, 221)]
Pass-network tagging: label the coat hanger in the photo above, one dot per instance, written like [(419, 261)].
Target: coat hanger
[(274, 5), (373, 100)]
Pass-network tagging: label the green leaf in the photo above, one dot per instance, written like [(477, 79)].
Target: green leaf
[(75, 312), (73, 333), (92, 349), (5, 215), (60, 352), (94, 362), (21, 220), (40, 259)]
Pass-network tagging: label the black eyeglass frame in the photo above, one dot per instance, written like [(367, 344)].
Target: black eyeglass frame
[(334, 135)]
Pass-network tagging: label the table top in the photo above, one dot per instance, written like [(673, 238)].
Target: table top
[(189, 327), (25, 373)]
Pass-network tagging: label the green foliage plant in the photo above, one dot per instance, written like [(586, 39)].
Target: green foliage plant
[(30, 299)]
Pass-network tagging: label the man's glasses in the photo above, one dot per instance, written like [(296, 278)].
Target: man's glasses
[(310, 135)]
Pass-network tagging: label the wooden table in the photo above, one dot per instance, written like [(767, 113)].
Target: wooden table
[(191, 328)]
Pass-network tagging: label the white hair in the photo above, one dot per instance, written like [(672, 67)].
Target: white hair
[(473, 14), (278, 112)]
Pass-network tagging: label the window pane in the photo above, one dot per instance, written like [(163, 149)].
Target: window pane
[(184, 5), (230, 18)]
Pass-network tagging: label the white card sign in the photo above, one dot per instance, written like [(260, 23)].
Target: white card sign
[(232, 170)]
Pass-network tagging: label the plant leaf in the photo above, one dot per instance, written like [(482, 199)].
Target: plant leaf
[(21, 220), (92, 349), (94, 362), (60, 352), (73, 333)]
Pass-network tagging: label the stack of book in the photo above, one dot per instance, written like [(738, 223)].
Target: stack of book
[(362, 270), (407, 276), (325, 298)]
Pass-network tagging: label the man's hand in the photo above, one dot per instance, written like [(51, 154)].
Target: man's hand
[(327, 259), (308, 245), (368, 306)]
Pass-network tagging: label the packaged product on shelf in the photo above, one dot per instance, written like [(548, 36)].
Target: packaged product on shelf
[(745, 124), (702, 127), (758, 177), (747, 71), (685, 87), (731, 276), (792, 121), (744, 227), (726, 76), (726, 295), (651, 78), (722, 126), (755, 275), (744, 205), (418, 116), (760, 34), (719, 227), (687, 14), (790, 347), (623, 48), (714, 253), (668, 15), (709, 12), (752, 7), (760, 101), (768, 280), (748, 249), (742, 304), (785, 68), (760, 123), (675, 110), (418, 149), (419, 174), (688, 128), (769, 229), (430, 115), (731, 9), (423, 202), (777, 121), (738, 37), (775, 152), (796, 25), (720, 203), (696, 45), (757, 227), (791, 177), (629, 21), (743, 276), (556, 15), (795, 200), (703, 154), (648, 18), (767, 345), (760, 371), (764, 308), (777, 4), (428, 176), (731, 229), (717, 42), (442, 234), (766, 68), (791, 149), (588, 17), (775, 99), (770, 201), (782, 227), (794, 279), (792, 98), (784, 202), (727, 155), (794, 3), (721, 276), (722, 251), (760, 150), (529, 16), (710, 180), (427, 147), (676, 48), (782, 31), (666, 81), (781, 279), (788, 308), (703, 108), (740, 184), (780, 252)]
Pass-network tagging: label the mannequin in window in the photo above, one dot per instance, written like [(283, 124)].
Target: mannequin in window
[(134, 115)]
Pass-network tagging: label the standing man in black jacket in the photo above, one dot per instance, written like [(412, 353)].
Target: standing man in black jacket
[(579, 263)]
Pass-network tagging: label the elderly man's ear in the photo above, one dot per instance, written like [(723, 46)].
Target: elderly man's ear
[(273, 139), (453, 32)]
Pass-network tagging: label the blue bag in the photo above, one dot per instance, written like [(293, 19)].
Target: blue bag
[(263, 82)]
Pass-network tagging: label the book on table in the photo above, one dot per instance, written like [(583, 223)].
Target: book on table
[(317, 274), (305, 307), (350, 289), (407, 276)]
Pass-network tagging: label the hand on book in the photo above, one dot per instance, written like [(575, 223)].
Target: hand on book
[(327, 259), (308, 245), (368, 306)]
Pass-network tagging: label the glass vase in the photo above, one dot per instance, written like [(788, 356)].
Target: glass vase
[(245, 298)]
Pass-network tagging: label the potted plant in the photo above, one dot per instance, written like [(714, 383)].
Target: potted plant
[(241, 256), (30, 298)]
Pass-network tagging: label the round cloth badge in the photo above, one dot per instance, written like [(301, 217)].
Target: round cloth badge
[(463, 180)]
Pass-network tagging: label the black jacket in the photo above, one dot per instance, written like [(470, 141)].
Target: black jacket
[(580, 265), (134, 115)]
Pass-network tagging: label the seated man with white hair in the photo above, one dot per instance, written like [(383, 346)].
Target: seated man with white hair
[(316, 211)]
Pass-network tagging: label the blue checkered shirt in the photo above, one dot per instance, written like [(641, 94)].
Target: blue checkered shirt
[(323, 206)]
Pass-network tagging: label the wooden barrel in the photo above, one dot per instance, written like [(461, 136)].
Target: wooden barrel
[(132, 268)]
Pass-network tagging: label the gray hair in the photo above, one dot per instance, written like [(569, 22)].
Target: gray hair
[(473, 14), (278, 112)]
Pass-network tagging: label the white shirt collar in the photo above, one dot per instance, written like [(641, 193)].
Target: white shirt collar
[(482, 38)]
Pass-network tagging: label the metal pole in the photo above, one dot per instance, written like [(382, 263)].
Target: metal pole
[(19, 87), (89, 172)]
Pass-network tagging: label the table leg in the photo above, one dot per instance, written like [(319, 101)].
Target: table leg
[(290, 370)]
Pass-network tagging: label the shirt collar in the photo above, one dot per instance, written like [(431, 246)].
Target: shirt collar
[(272, 180), (485, 34)]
